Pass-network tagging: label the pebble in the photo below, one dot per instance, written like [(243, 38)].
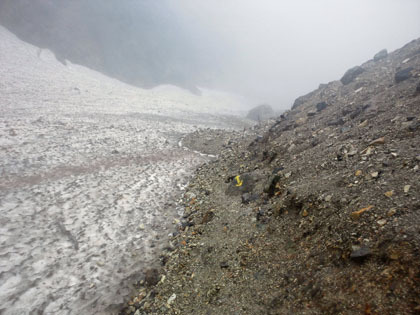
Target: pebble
[(407, 188), (328, 198), (391, 212), (360, 252), (171, 299), (358, 173), (389, 194), (363, 124), (378, 141), (356, 214), (374, 174), (381, 222)]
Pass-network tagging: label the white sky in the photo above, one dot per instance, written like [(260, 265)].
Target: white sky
[(278, 50)]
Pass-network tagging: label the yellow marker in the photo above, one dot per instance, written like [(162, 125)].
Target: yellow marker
[(238, 181)]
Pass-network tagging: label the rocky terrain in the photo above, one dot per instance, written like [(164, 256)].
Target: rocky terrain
[(91, 169), (316, 212)]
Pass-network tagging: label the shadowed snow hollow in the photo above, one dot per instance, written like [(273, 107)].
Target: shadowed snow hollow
[(90, 168)]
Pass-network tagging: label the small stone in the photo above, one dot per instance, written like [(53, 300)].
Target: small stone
[(391, 212), (407, 188), (374, 174), (207, 217), (151, 276), (305, 213), (171, 299), (360, 252), (389, 194), (356, 214), (137, 312), (311, 113), (287, 175), (358, 173), (224, 265), (328, 198), (381, 222), (378, 141), (141, 226), (363, 124)]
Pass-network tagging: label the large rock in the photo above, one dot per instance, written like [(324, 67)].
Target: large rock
[(351, 74), (403, 74), (261, 113), (380, 55)]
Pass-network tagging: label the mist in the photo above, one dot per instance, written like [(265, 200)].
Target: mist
[(274, 51), (266, 51)]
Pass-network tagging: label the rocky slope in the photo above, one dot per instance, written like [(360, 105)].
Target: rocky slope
[(314, 213)]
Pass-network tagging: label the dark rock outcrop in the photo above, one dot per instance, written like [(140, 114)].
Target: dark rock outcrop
[(403, 74), (351, 74), (380, 55)]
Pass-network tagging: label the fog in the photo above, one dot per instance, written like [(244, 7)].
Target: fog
[(273, 51), (270, 51)]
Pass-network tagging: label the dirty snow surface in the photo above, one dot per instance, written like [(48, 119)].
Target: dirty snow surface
[(90, 169)]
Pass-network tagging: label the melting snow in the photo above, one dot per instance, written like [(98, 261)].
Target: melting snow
[(89, 170)]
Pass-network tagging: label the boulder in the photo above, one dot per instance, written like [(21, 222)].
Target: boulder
[(380, 55), (403, 74), (351, 74), (321, 106), (261, 113)]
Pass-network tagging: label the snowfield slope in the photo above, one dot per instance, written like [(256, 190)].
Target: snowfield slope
[(324, 217), (90, 171)]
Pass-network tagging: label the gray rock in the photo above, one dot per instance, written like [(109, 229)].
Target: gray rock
[(224, 265), (403, 74), (336, 122), (351, 74), (360, 252), (381, 55), (151, 276), (321, 106), (261, 113)]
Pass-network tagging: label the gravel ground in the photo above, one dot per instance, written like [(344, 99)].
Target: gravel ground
[(316, 212)]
